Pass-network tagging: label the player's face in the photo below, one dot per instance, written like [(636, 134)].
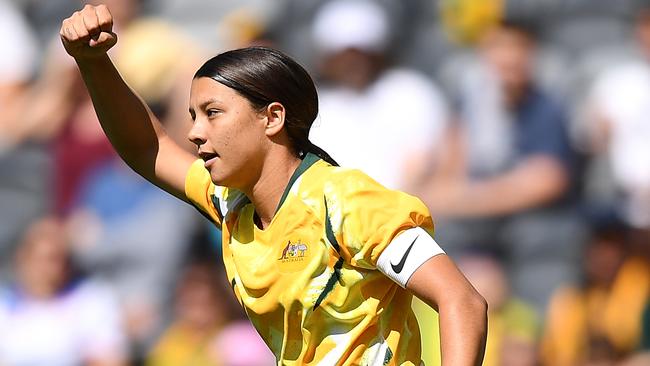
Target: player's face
[(229, 133)]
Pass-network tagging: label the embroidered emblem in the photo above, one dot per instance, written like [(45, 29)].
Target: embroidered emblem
[(294, 252)]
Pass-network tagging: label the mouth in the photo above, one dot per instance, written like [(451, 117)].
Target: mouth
[(208, 157)]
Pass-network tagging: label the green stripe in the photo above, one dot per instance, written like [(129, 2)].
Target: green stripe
[(336, 276), (217, 206), (328, 229), (309, 160), (205, 214)]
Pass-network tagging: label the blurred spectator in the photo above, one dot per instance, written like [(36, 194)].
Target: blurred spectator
[(16, 66), (53, 316), (466, 20), (239, 344), (126, 231), (618, 129), (504, 181), (134, 236), (23, 167), (513, 325), (200, 312), (641, 359), (601, 321), (59, 110), (373, 117)]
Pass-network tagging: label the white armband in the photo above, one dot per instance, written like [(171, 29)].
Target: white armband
[(406, 253)]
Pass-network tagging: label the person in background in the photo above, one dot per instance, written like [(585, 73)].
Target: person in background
[(617, 129), (51, 315), (24, 165), (57, 111), (599, 322), (504, 180), (513, 325), (373, 116), (239, 344), (201, 311)]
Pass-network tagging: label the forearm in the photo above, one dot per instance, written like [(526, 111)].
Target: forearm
[(128, 123), (536, 182), (463, 311), (463, 331)]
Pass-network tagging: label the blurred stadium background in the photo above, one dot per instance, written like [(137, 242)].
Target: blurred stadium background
[(523, 124)]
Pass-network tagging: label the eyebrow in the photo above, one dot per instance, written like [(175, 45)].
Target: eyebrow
[(206, 103)]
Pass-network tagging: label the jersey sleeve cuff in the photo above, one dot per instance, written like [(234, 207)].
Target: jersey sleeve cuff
[(406, 253)]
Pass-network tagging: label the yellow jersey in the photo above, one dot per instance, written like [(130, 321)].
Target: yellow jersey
[(309, 282)]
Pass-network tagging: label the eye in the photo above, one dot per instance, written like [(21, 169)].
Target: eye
[(212, 112), (193, 115)]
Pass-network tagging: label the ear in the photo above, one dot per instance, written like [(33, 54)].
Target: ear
[(275, 115)]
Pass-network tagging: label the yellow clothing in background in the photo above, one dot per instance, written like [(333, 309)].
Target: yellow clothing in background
[(180, 346), (576, 316)]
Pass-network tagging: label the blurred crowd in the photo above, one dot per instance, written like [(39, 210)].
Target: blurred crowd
[(524, 125)]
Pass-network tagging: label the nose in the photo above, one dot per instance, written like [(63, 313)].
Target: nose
[(197, 134)]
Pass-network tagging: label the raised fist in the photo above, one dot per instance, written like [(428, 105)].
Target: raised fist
[(88, 33)]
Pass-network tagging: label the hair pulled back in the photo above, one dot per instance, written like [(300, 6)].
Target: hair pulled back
[(263, 75)]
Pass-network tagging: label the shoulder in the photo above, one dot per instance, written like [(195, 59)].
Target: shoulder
[(624, 72), (410, 85), (620, 81), (91, 293), (333, 184), (348, 179)]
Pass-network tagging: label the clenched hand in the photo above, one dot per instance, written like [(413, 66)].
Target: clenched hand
[(88, 33)]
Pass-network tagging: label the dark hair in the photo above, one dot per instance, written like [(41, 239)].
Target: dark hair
[(263, 75), (522, 26)]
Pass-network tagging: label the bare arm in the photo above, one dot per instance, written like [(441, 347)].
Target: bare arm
[(130, 126), (534, 182), (463, 311)]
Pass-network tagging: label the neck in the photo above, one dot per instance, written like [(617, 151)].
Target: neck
[(514, 95), (266, 192)]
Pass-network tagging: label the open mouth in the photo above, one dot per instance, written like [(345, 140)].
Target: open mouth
[(207, 156)]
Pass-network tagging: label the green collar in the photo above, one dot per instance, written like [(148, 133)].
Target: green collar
[(309, 160)]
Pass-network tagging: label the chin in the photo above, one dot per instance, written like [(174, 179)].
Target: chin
[(220, 179)]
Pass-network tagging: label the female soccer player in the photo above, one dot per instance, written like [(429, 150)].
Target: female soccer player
[(323, 259)]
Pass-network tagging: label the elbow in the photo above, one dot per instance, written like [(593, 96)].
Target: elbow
[(555, 183), (479, 304), (475, 303), (468, 304), (475, 306)]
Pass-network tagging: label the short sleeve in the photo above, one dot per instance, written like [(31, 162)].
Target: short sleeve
[(204, 195), (544, 131), (364, 217), (19, 51)]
